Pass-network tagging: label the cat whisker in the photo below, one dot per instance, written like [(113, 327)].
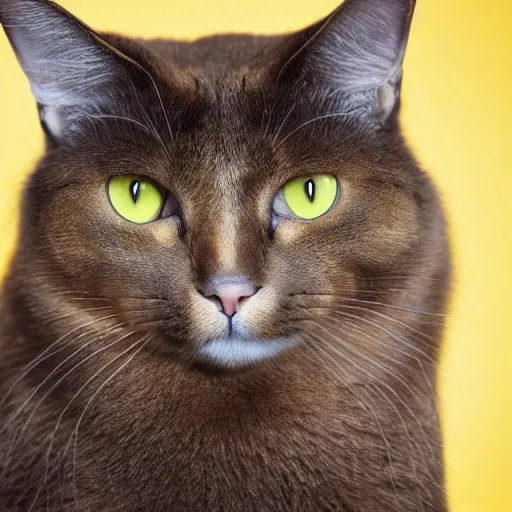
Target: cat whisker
[(149, 299), (49, 376), (388, 277), (283, 123), (366, 405), (381, 342), (75, 329), (121, 118), (394, 320), (45, 355), (52, 436), (74, 434), (429, 359), (85, 299), (418, 335), (59, 381), (74, 313), (307, 294), (362, 301), (353, 388), (325, 116), (161, 102), (148, 118), (153, 321), (387, 371), (398, 308), (69, 292), (355, 290), (376, 388), (264, 96), (48, 352), (402, 342)]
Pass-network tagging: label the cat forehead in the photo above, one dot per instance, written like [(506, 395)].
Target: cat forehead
[(215, 55)]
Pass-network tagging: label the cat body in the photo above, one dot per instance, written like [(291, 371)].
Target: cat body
[(228, 354)]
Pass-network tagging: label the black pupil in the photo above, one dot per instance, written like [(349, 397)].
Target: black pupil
[(309, 188), (135, 190)]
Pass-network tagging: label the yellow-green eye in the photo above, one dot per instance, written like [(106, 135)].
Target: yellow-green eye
[(309, 198), (136, 199)]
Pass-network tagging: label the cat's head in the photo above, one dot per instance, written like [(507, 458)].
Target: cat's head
[(232, 198)]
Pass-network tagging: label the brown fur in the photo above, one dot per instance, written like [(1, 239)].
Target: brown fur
[(344, 421)]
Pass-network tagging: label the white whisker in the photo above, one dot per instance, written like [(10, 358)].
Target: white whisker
[(336, 114), (89, 402), (122, 118), (39, 359), (429, 358), (282, 124), (387, 317), (381, 382), (369, 408), (52, 436), (61, 379)]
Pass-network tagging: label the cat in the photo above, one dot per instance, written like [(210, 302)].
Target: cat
[(232, 274)]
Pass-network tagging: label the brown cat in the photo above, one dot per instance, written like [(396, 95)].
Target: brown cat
[(231, 279)]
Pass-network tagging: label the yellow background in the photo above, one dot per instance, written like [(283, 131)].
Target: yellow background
[(457, 115)]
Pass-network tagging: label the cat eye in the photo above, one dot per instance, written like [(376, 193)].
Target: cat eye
[(140, 200), (306, 198)]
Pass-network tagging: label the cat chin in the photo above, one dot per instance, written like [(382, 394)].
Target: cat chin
[(236, 352)]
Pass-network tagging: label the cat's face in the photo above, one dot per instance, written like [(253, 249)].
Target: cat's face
[(227, 176), (221, 164)]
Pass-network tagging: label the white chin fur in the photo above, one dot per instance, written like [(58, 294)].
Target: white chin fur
[(233, 352)]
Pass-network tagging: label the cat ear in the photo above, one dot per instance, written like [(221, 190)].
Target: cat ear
[(69, 67), (359, 48)]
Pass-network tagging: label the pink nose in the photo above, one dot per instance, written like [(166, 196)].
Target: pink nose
[(230, 292)]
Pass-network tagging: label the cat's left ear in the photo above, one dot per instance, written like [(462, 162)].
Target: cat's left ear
[(355, 54), (71, 69)]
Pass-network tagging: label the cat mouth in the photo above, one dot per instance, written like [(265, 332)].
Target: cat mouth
[(237, 351)]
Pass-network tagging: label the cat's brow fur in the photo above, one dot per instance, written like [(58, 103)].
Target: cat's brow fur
[(345, 420)]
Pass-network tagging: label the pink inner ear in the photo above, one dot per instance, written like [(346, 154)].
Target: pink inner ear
[(54, 121)]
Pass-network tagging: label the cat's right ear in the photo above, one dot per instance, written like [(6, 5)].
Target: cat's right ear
[(71, 69), (352, 59)]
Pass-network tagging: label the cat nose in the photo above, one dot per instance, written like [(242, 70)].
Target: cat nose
[(229, 293)]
